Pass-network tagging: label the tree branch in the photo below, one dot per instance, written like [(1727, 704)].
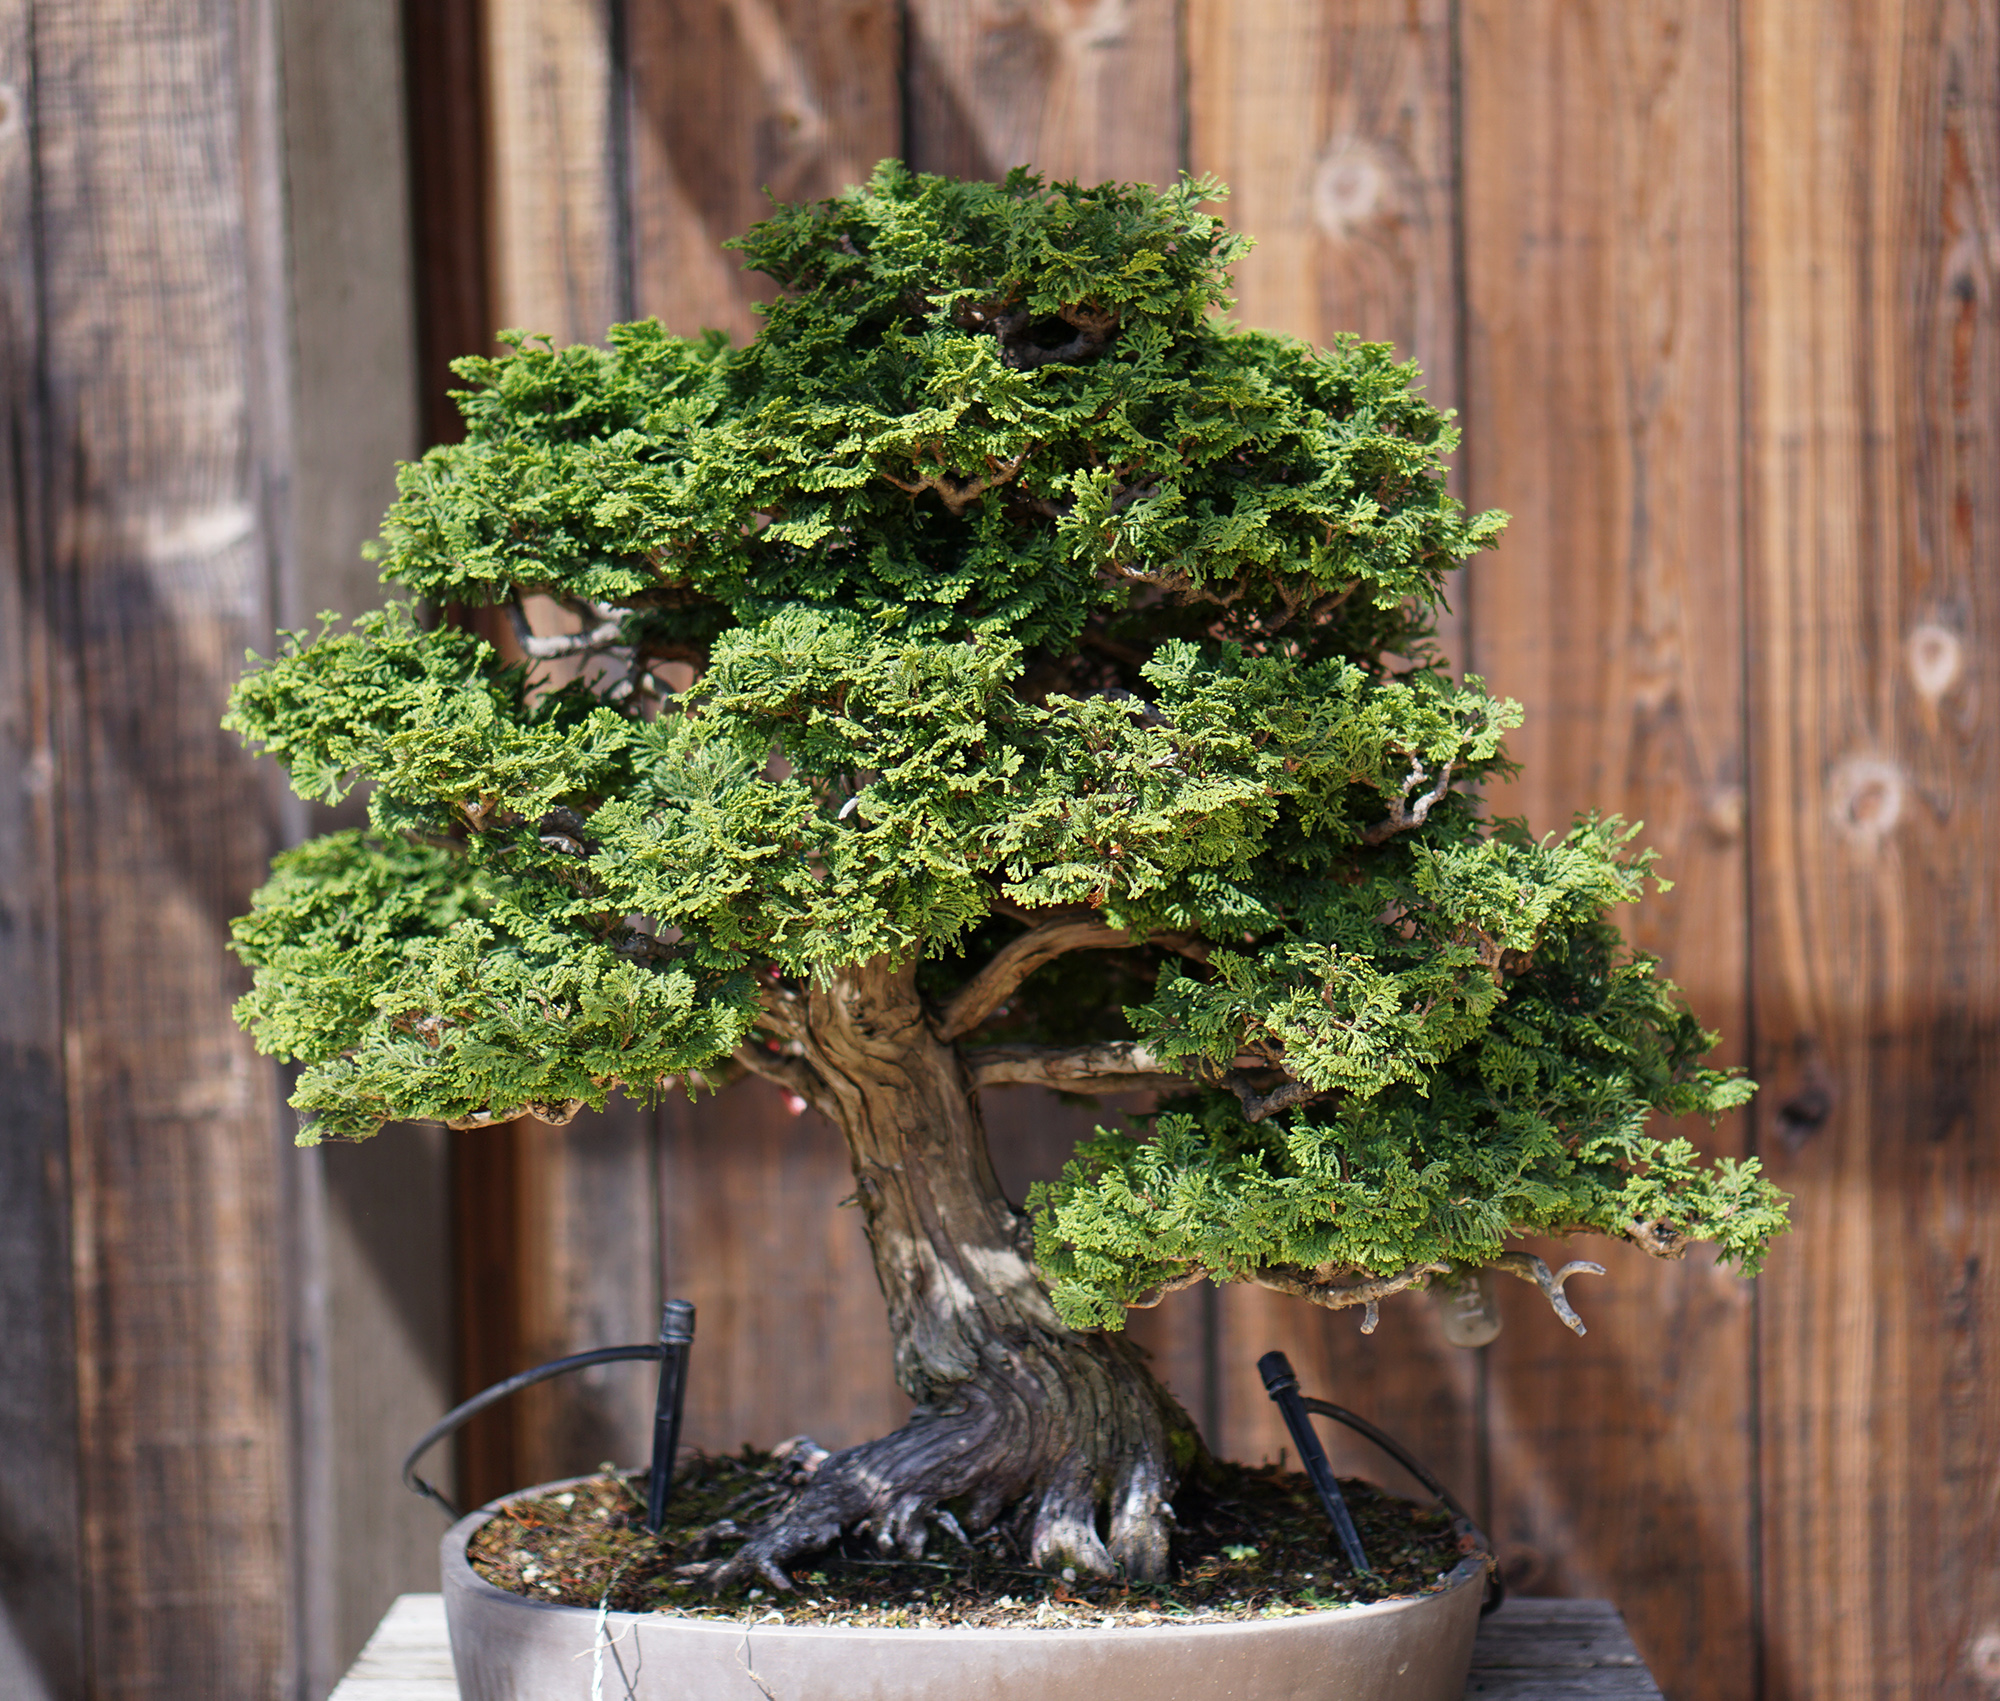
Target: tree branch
[(1115, 1067), (1335, 1292), (959, 493), (1046, 940), (1531, 1269), (783, 1010), (1257, 1106), (1401, 816), (1152, 1296), (555, 1115), (556, 645), (794, 1074)]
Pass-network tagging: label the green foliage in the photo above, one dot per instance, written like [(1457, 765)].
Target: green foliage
[(1010, 576), (893, 443)]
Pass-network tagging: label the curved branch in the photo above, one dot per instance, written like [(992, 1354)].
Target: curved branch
[(782, 1010), (1401, 816), (1114, 1067), (1152, 1296), (1044, 941), (794, 1074), (958, 492), (1531, 1269)]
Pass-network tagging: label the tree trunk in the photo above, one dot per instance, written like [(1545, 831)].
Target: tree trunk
[(1064, 1437)]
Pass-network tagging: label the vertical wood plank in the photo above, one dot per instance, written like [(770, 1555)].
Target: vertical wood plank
[(1086, 91), (41, 1579), (734, 100), (444, 50), (570, 1208), (1601, 262), (164, 444), (1873, 223), (587, 1237), (1332, 126), (790, 1335), (554, 86), (731, 99), (368, 1252)]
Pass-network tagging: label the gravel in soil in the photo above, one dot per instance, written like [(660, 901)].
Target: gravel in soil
[(1252, 1543)]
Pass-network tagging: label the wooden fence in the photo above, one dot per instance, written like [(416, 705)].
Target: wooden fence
[(1715, 285)]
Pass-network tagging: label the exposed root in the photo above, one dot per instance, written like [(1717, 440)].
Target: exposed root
[(1531, 1269), (1003, 1457)]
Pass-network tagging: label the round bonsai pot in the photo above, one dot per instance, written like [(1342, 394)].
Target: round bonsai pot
[(507, 1647)]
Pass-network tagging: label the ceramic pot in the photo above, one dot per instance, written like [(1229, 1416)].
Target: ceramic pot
[(507, 1647)]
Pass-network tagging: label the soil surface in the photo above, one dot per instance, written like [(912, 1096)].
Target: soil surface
[(1253, 1543)]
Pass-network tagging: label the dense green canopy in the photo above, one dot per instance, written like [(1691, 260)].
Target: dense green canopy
[(1013, 582)]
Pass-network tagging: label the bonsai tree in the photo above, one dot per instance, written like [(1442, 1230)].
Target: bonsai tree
[(1001, 670)]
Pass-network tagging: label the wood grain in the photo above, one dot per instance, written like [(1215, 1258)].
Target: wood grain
[(790, 1336), (734, 101), (1332, 126), (1871, 192), (1083, 89), (444, 55), (556, 86), (41, 1577), (160, 409), (1600, 268), (559, 1221)]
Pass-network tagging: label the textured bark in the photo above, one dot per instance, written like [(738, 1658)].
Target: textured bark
[(1061, 1436)]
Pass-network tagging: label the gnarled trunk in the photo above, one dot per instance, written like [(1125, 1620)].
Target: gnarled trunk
[(1065, 1436)]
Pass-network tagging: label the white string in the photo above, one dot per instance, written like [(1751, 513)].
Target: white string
[(599, 1641)]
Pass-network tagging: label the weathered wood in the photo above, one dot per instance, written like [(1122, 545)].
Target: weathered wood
[(555, 81), (387, 1350), (586, 1227), (407, 1659), (41, 1578), (1541, 1650), (1032, 1133), (1601, 323), (444, 53), (1089, 92), (734, 100), (159, 405), (789, 1332), (1332, 126), (1872, 218), (368, 1249)]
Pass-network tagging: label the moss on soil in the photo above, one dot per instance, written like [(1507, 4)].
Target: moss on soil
[(1252, 1543)]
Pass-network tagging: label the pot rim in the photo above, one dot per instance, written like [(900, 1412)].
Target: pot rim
[(460, 1575)]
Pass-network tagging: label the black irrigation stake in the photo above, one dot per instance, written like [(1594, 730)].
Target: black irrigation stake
[(676, 1335), (676, 1331), (1282, 1384)]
